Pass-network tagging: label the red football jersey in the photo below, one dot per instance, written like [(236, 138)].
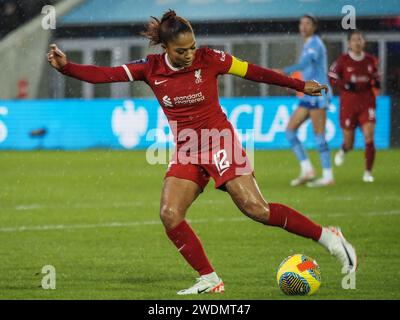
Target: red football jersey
[(188, 96), (356, 79)]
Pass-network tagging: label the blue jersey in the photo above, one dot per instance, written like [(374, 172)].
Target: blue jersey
[(313, 64)]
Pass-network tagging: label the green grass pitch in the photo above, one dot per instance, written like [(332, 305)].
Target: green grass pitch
[(93, 215)]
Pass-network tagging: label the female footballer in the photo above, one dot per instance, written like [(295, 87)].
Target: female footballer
[(184, 80), (356, 75), (313, 65)]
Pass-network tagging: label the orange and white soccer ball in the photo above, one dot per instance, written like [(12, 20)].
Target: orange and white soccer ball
[(299, 275)]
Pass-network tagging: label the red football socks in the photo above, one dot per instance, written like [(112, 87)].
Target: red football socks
[(190, 247), (293, 221), (369, 155)]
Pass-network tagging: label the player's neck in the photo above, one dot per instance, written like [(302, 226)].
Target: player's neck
[(307, 39), (170, 65), (357, 56)]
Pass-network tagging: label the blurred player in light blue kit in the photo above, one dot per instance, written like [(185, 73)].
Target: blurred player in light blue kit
[(314, 66)]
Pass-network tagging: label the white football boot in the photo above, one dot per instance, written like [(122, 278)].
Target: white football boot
[(339, 157), (368, 177), (205, 284), (340, 248), (303, 178), (321, 182)]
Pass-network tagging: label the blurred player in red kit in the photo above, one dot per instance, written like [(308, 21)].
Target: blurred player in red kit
[(184, 80), (356, 75)]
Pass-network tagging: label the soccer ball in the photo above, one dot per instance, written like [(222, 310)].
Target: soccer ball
[(299, 275)]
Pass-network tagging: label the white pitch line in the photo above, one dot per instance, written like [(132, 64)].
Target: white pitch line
[(362, 197), (29, 207), (384, 213), (110, 225), (373, 213), (36, 206), (157, 222)]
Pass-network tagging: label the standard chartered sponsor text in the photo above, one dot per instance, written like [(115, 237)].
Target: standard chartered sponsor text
[(189, 99)]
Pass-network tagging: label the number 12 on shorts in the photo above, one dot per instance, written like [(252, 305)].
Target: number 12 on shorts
[(221, 162)]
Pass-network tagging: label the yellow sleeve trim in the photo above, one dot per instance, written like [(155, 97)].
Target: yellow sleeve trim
[(238, 67)]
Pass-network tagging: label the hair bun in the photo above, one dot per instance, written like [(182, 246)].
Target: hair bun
[(168, 15), (167, 29)]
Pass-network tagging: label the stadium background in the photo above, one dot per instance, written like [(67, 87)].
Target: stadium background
[(93, 210)]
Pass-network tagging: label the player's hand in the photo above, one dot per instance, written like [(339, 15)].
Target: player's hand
[(313, 88), (56, 57)]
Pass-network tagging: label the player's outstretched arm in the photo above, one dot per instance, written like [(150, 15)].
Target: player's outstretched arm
[(259, 74), (89, 73)]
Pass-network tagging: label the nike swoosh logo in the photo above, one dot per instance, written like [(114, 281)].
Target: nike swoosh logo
[(159, 82), (201, 291), (351, 262)]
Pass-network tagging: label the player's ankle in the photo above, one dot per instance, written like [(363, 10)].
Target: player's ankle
[(213, 277), (327, 174), (326, 238), (306, 166)]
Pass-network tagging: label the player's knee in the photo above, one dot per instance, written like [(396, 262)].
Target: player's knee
[(291, 136), (170, 216)]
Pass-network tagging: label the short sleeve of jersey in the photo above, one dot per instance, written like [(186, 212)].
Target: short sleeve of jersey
[(337, 67), (137, 69), (374, 64), (219, 61)]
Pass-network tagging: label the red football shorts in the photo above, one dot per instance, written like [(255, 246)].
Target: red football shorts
[(219, 155), (351, 118)]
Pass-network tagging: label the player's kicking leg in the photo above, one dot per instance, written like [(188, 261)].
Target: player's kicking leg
[(306, 169), (172, 212), (246, 195)]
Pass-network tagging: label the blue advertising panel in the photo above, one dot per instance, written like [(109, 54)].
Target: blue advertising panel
[(140, 123)]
